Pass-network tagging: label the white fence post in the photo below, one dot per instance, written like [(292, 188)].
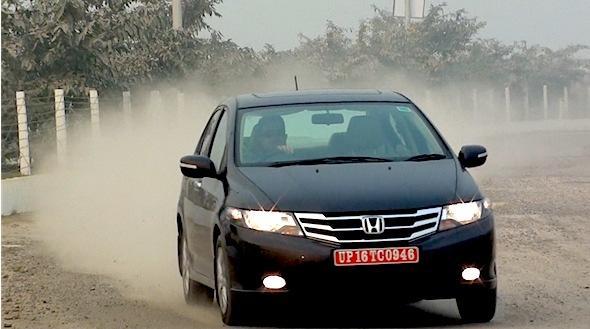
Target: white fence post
[(566, 103), (94, 113), (155, 98), (156, 103), (545, 102), (60, 126), (179, 102), (507, 98), (560, 109), (527, 107), (127, 107), (475, 103), (24, 158)]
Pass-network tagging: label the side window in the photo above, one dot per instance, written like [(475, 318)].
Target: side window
[(207, 135), (218, 146)]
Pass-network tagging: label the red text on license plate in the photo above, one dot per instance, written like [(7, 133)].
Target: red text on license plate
[(376, 256)]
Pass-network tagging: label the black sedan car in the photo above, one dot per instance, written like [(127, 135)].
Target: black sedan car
[(338, 192)]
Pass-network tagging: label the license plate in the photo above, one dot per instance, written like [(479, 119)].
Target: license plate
[(376, 256)]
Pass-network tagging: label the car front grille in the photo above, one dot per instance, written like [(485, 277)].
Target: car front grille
[(349, 229)]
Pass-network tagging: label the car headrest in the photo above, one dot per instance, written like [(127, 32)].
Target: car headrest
[(363, 125)]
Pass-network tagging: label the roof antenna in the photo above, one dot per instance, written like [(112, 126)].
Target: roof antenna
[(296, 84)]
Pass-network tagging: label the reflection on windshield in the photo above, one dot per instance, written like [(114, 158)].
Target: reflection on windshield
[(312, 132)]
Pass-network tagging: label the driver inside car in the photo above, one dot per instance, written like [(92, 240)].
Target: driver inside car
[(269, 140)]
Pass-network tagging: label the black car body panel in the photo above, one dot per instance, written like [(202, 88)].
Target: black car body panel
[(400, 185), (308, 267)]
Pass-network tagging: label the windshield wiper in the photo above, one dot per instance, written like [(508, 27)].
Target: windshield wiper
[(427, 157), (331, 160)]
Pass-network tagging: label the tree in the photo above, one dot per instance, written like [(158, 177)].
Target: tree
[(75, 44), (444, 47), (331, 52)]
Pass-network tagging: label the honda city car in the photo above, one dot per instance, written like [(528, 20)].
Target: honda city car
[(309, 193)]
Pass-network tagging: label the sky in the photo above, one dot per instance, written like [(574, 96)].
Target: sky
[(253, 23)]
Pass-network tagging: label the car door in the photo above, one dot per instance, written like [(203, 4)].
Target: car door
[(213, 190), (195, 200)]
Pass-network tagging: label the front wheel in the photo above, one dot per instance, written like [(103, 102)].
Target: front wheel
[(194, 292), (231, 304), (478, 306)]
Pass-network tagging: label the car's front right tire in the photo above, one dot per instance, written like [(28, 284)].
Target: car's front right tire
[(231, 304), (477, 306)]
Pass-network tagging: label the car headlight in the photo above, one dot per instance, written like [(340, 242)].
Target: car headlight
[(459, 214), (267, 221)]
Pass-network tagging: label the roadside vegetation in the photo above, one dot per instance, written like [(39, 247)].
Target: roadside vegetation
[(119, 45)]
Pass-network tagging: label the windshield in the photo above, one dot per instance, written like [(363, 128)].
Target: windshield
[(300, 134)]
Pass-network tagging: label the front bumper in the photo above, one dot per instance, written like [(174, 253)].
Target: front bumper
[(307, 265)]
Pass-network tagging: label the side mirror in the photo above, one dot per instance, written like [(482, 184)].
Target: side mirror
[(197, 166), (473, 156)]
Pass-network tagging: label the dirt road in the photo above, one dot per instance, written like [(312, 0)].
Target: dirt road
[(540, 184)]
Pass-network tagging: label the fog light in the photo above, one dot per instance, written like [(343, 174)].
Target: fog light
[(274, 282), (470, 274)]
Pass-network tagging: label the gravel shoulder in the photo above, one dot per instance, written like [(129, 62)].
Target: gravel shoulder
[(38, 293)]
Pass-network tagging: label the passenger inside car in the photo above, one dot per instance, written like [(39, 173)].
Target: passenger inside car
[(268, 140)]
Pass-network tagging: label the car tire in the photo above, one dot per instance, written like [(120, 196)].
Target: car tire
[(477, 306), (231, 304), (194, 292)]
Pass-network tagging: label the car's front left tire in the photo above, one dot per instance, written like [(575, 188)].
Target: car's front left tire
[(194, 292)]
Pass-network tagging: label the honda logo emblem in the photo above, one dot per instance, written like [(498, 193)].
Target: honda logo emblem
[(373, 224)]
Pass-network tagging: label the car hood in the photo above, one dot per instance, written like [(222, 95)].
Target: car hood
[(358, 187)]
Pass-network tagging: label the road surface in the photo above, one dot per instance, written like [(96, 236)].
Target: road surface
[(540, 186)]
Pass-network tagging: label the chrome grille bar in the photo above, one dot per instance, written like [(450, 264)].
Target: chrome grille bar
[(318, 226)]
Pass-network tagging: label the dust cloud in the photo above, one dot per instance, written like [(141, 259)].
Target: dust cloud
[(111, 209)]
